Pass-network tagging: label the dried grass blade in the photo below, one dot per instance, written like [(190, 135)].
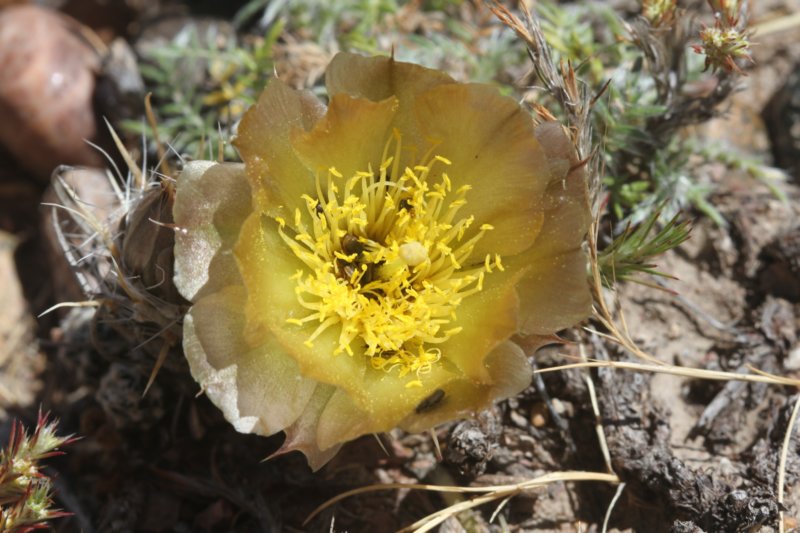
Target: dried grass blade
[(782, 464), (698, 373)]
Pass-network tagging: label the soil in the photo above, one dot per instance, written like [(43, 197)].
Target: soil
[(694, 455)]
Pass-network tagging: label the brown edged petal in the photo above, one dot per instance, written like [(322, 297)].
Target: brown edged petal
[(378, 78), (509, 373), (342, 420), (490, 141), (350, 137), (211, 202), (302, 435), (568, 216), (259, 388), (277, 176), (555, 292), (487, 319)]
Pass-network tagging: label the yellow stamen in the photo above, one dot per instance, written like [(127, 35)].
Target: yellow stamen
[(384, 253)]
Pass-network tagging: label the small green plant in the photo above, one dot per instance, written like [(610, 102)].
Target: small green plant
[(632, 252), (642, 72), (349, 24), (622, 88), (203, 79), (25, 491), (727, 41), (201, 84)]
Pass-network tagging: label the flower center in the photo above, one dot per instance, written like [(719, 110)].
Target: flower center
[(385, 252)]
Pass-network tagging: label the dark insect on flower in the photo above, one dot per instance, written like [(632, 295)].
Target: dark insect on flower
[(431, 402)]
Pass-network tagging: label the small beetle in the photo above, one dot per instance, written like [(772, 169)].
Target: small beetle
[(430, 402)]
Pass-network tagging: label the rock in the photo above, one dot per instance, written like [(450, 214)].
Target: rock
[(782, 117), (20, 359), (67, 237), (47, 80), (780, 272)]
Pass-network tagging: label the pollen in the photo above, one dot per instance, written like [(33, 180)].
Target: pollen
[(388, 259)]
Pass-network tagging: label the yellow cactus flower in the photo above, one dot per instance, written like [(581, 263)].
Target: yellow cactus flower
[(381, 262)]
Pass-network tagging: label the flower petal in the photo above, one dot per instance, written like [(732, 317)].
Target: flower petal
[(211, 203), (555, 292), (568, 215), (263, 140), (259, 388), (378, 78), (342, 420), (509, 373), (388, 398), (302, 435), (487, 318), (489, 140), (351, 137), (382, 404), (272, 388)]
